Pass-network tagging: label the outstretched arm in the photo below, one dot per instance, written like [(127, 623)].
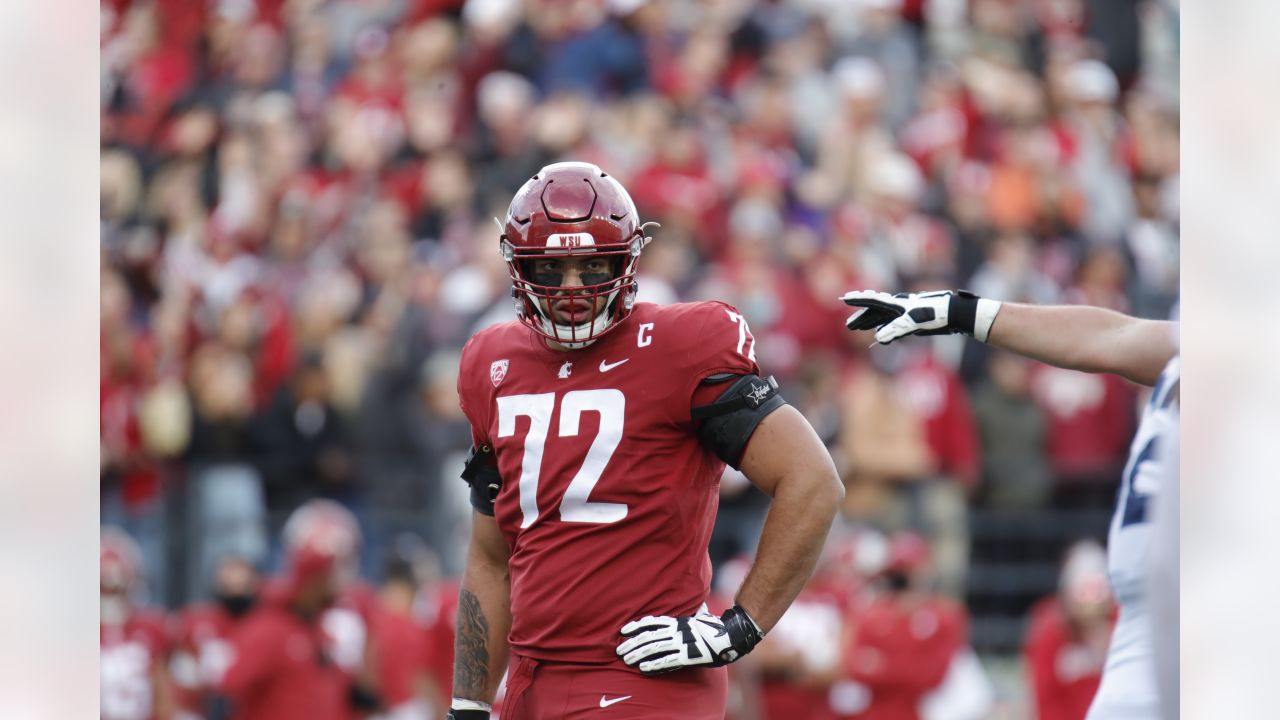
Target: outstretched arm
[(1091, 339), (484, 615), (786, 459), (1077, 337)]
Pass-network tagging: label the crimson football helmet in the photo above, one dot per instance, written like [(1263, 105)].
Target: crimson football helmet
[(324, 528), (119, 561), (572, 208)]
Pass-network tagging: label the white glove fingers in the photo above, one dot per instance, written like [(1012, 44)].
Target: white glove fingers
[(651, 650), (643, 639), (896, 329), (861, 296), (663, 664)]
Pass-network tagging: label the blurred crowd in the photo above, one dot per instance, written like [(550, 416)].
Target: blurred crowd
[(296, 239), (869, 637)]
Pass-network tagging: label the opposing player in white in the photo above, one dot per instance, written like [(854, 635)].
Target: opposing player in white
[(1092, 340)]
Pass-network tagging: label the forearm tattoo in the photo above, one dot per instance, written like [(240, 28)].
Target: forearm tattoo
[(471, 649)]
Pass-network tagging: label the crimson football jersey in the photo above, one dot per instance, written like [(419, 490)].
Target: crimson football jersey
[(608, 496), (1065, 671), (280, 669), (202, 652), (129, 656), (901, 652)]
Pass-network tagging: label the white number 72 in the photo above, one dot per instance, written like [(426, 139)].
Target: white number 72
[(574, 506)]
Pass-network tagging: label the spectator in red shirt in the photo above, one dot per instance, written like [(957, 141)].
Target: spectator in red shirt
[(903, 640), (1090, 423), (1068, 634), (280, 667)]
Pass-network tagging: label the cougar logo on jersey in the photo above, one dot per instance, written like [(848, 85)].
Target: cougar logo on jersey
[(498, 371)]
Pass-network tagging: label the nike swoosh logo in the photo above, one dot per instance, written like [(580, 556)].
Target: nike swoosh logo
[(606, 367), (607, 703)]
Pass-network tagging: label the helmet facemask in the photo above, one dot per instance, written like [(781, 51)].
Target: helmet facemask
[(609, 295)]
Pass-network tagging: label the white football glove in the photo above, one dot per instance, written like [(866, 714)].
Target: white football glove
[(931, 313), (659, 644)]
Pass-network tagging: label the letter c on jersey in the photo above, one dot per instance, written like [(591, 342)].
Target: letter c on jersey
[(643, 337)]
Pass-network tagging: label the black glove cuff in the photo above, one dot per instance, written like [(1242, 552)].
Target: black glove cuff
[(467, 715), (743, 635), (962, 311)]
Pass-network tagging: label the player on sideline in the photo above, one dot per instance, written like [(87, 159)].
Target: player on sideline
[(601, 428), (1091, 340)]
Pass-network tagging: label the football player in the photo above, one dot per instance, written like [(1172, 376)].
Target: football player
[(279, 666), (203, 632), (1089, 339), (327, 527), (601, 427), (134, 645)]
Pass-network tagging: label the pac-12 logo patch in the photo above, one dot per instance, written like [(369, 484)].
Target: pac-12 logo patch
[(498, 371)]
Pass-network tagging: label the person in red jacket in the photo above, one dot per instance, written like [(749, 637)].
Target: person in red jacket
[(1068, 634), (280, 667), (904, 638)]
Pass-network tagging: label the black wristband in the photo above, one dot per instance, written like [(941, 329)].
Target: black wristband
[(743, 634), (467, 715), (962, 311)]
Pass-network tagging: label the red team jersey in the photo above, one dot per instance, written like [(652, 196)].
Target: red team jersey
[(203, 643), (811, 627), (1065, 672), (608, 497), (901, 653), (129, 655), (281, 670)]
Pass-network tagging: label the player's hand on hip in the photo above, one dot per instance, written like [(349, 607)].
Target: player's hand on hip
[(659, 644), (939, 312)]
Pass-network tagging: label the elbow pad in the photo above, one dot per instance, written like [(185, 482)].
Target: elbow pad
[(727, 423), (481, 472)]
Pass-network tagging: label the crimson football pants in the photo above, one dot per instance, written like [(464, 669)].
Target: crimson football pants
[(541, 690)]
